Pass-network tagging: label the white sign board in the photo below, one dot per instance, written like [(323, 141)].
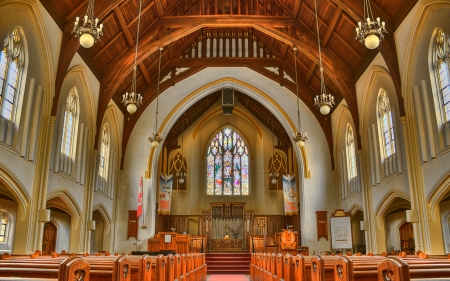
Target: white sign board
[(341, 233)]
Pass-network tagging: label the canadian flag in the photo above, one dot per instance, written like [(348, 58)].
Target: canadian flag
[(139, 207)]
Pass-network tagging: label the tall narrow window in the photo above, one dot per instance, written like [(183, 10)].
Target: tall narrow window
[(11, 64), (69, 120), (4, 222), (104, 152), (442, 72), (351, 153), (387, 126), (227, 164)]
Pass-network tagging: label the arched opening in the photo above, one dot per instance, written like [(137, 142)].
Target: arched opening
[(394, 218), (98, 233), (358, 235), (49, 238)]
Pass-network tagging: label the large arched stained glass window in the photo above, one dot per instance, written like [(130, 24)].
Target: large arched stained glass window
[(227, 164)]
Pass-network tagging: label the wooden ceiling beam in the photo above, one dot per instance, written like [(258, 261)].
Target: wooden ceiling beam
[(145, 73), (296, 10), (331, 27), (124, 27), (159, 9), (227, 62)]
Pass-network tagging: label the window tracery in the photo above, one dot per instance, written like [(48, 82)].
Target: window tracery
[(441, 71), (4, 226), (69, 124), (12, 60), (351, 159), (227, 164), (387, 125), (104, 149)]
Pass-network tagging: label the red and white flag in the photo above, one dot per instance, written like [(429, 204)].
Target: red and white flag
[(139, 207)]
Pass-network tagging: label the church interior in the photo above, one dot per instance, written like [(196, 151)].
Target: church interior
[(313, 127)]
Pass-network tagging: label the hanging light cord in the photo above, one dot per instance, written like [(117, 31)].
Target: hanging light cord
[(368, 10), (133, 82), (90, 10), (296, 85), (157, 92), (322, 79)]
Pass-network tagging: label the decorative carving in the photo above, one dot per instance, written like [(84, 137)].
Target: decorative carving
[(125, 270), (79, 275), (339, 269), (388, 275), (314, 266)]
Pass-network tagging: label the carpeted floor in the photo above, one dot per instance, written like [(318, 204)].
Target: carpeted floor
[(228, 277)]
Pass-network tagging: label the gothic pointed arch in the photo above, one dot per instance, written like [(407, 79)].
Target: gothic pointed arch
[(63, 199), (104, 214), (17, 189)]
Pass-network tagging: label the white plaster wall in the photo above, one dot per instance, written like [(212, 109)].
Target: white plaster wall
[(317, 193)]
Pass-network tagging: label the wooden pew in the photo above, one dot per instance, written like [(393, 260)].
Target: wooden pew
[(73, 268)]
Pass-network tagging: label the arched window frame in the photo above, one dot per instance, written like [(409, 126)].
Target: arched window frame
[(386, 124), (12, 62), (351, 154), (104, 153), (441, 69), (69, 125), (238, 173), (5, 222)]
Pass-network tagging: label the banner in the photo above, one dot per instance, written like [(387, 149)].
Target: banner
[(139, 207), (290, 196), (165, 194)]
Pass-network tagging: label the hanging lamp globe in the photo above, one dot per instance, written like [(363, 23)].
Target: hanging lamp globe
[(325, 109), (372, 41), (87, 40)]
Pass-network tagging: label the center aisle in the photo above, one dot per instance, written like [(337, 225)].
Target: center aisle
[(228, 263), (227, 277)]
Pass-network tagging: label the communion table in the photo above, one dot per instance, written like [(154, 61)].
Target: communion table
[(227, 244)]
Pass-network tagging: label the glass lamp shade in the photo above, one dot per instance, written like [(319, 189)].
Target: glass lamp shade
[(181, 180), (325, 109), (300, 143), (155, 143), (87, 40), (274, 180), (131, 108), (372, 41)]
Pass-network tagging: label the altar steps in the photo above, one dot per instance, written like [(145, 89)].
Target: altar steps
[(228, 263)]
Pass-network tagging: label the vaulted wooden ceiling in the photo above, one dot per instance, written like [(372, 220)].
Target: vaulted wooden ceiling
[(181, 26)]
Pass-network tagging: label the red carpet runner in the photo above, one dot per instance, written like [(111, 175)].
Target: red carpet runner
[(228, 277), (228, 263)]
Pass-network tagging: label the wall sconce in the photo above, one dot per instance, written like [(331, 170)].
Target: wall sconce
[(44, 215), (364, 225), (91, 225), (412, 216)]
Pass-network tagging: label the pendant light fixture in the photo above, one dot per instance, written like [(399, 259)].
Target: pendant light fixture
[(155, 138), (133, 100), (90, 31), (370, 33), (323, 101), (299, 136)]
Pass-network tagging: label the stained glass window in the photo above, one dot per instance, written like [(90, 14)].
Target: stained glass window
[(68, 128), (351, 153), (445, 90), (387, 126), (227, 164)]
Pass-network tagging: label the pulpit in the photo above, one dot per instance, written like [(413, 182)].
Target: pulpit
[(170, 241)]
